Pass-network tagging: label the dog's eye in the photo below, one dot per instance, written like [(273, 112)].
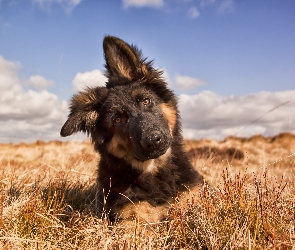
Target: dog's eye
[(118, 119), (146, 101)]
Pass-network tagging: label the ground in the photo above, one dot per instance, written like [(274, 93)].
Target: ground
[(47, 199)]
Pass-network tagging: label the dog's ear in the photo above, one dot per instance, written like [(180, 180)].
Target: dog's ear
[(123, 62), (84, 110)]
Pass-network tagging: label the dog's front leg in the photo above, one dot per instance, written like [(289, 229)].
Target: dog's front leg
[(135, 204)]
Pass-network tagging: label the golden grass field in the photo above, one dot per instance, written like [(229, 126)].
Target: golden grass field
[(47, 199)]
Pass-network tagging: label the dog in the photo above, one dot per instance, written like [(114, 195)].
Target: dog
[(134, 124)]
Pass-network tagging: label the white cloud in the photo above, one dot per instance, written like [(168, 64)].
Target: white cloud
[(226, 6), (223, 6), (68, 5), (27, 115), (211, 115), (89, 79), (192, 8), (143, 3), (207, 2), (187, 82), (8, 78), (39, 82), (193, 12)]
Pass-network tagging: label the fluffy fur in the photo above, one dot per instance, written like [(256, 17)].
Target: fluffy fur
[(134, 124)]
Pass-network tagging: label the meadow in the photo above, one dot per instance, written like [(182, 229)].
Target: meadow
[(48, 190)]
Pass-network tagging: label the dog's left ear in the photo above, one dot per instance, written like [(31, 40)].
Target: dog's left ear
[(123, 62), (85, 108)]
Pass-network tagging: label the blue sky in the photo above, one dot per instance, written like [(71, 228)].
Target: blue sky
[(210, 50)]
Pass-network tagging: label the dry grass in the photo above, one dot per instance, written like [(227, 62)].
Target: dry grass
[(47, 199)]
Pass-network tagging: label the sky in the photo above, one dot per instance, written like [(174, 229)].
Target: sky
[(230, 62)]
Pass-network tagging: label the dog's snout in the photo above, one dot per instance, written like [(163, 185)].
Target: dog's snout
[(152, 141)]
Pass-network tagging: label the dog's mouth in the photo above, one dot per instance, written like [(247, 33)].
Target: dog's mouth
[(144, 155), (149, 143)]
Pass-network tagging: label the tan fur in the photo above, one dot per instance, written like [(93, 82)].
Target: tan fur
[(135, 92), (124, 71), (118, 147), (91, 117), (144, 69), (144, 212), (121, 62), (142, 166), (170, 114), (151, 165), (85, 97)]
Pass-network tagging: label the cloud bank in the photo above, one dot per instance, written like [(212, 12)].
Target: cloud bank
[(193, 9), (68, 5), (143, 3), (88, 79), (193, 12), (30, 114), (209, 115), (39, 82), (27, 115), (187, 82)]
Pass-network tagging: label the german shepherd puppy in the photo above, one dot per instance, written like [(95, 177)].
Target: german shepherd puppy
[(134, 124)]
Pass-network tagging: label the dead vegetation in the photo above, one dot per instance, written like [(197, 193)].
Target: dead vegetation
[(47, 199)]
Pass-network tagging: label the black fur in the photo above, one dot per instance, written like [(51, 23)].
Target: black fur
[(134, 125)]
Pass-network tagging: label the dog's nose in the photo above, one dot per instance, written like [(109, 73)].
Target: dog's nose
[(152, 141)]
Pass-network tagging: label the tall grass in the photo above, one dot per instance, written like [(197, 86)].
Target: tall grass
[(47, 201)]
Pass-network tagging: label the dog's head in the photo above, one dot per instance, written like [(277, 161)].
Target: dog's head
[(135, 116)]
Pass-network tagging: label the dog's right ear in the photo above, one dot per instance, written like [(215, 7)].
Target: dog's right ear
[(84, 111)]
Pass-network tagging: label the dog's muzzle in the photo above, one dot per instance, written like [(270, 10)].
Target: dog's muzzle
[(154, 145)]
